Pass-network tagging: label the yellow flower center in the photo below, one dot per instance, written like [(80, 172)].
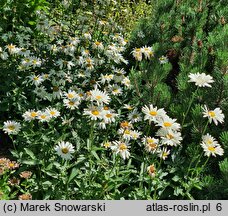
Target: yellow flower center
[(125, 124), (211, 114), (97, 43), (108, 115), (43, 116), (11, 164), (153, 146), (107, 144), (122, 147), (11, 127), (106, 108), (98, 97), (71, 103), (95, 112), (153, 113), (70, 95), (167, 124), (127, 132), (55, 88), (52, 112), (169, 136), (65, 150), (33, 114), (135, 116), (211, 149), (35, 78)]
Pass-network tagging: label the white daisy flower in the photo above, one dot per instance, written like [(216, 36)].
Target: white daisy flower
[(163, 60), (71, 95), (30, 115), (169, 137), (36, 79), (106, 78), (11, 127), (89, 63), (85, 52), (125, 133), (148, 52), (215, 115), (98, 45), (12, 49), (151, 144), (94, 112), (212, 150), (135, 134), (43, 116), (71, 104), (35, 62), (134, 116), (54, 113), (106, 144), (126, 81), (137, 54), (115, 90), (121, 148), (153, 113), (201, 79), (128, 107), (87, 36), (168, 124), (209, 140), (109, 117), (65, 150), (99, 96), (163, 153)]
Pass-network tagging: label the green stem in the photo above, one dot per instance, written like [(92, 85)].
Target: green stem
[(205, 128), (189, 106)]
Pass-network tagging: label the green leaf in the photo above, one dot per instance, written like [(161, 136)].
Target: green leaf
[(74, 172), (30, 153), (30, 162), (95, 155)]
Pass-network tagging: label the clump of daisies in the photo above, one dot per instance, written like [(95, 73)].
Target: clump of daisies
[(138, 53), (42, 115), (168, 134)]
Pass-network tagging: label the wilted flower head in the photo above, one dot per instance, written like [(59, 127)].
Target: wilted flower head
[(151, 170), (26, 196), (26, 174)]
